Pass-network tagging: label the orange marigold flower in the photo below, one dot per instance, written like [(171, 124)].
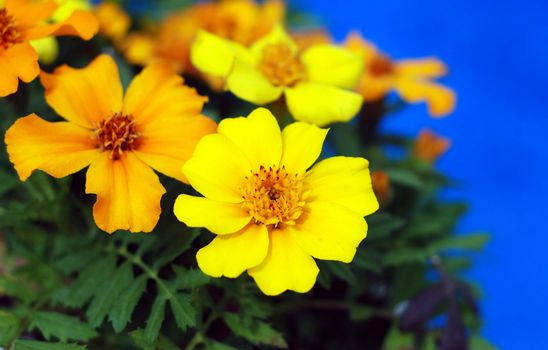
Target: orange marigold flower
[(22, 21), (430, 146), (114, 22), (243, 21), (156, 125), (272, 210), (306, 39), (411, 79), (381, 185)]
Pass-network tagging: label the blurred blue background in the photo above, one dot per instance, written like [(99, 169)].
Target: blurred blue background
[(498, 55)]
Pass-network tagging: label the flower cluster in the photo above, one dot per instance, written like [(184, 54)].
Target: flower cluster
[(272, 207)]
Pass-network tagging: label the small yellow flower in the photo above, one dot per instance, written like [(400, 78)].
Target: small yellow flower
[(411, 79), (429, 146), (243, 21), (22, 21), (270, 212), (156, 125), (114, 22), (314, 81)]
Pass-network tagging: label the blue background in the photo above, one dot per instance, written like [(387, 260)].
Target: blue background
[(497, 52)]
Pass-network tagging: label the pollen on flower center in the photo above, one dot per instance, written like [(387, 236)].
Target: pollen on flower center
[(273, 196), (9, 35), (381, 65), (117, 133), (281, 65)]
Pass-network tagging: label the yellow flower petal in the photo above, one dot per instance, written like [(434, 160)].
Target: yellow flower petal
[(322, 104), (128, 193), (248, 83), (138, 49), (330, 232), (217, 169), (440, 100), (302, 145), (28, 13), (214, 55), (258, 136), (421, 68), (230, 255), (218, 217), (59, 149), (18, 62), (85, 96), (286, 267), (114, 23), (47, 49), (158, 92), (332, 65), (276, 36), (345, 181)]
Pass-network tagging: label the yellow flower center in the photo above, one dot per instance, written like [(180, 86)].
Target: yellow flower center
[(9, 35), (272, 196), (380, 66), (116, 134), (281, 65)]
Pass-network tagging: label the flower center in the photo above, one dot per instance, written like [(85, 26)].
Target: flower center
[(117, 133), (380, 66), (9, 35), (281, 65), (273, 196)]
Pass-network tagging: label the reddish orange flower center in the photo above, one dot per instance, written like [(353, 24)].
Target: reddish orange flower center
[(272, 196), (281, 65), (380, 66), (9, 35), (116, 134)]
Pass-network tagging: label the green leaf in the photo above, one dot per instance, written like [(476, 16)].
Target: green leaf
[(122, 310), (215, 345), (398, 341), (476, 342), (254, 330), (184, 312), (474, 241), (361, 312), (40, 345), (188, 279), (155, 320), (405, 256), (382, 225), (61, 326), (16, 288), (342, 271), (368, 260), (89, 281), (108, 293), (405, 178), (138, 337), (9, 324)]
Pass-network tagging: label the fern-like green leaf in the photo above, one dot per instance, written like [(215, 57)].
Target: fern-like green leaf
[(254, 330), (121, 312), (155, 320), (184, 312), (188, 279), (61, 326), (40, 345)]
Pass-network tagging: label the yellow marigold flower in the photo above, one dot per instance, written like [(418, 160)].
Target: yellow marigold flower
[(411, 79), (243, 21), (305, 39), (429, 146), (22, 21), (270, 212), (314, 81), (114, 22), (156, 125)]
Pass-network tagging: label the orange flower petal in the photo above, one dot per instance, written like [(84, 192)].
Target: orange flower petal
[(425, 68), (59, 149), (27, 13), (169, 142), (440, 100), (128, 193), (157, 92), (19, 61), (80, 23), (373, 89), (85, 96)]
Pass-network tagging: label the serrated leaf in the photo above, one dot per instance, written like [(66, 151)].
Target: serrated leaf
[(138, 337), (382, 225), (476, 342), (88, 282), (405, 178), (122, 310), (368, 260), (215, 345), (61, 326), (474, 241), (108, 293), (254, 330), (40, 345), (188, 279), (75, 262), (9, 324), (15, 288), (155, 320), (405, 256), (342, 271), (184, 312)]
